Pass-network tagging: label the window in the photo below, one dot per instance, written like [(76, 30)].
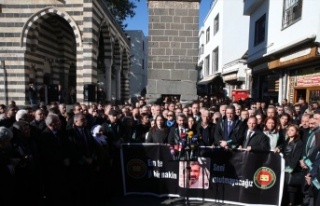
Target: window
[(200, 73), (216, 24), (215, 59), (207, 65), (292, 10), (208, 35), (260, 30), (201, 50)]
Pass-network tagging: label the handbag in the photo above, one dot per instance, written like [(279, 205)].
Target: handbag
[(296, 178)]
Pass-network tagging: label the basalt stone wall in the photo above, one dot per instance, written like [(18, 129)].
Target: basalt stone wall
[(173, 48)]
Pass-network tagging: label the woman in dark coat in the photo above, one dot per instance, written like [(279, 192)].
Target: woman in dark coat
[(292, 150), (159, 132)]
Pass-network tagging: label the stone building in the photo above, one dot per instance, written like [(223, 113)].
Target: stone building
[(52, 42), (173, 49)]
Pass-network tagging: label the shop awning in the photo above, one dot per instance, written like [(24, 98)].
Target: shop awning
[(205, 80)]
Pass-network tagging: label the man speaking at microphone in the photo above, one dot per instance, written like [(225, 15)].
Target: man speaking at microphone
[(178, 133)]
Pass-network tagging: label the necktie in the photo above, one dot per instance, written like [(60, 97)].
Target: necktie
[(57, 138), (85, 141), (181, 131), (229, 127), (247, 139)]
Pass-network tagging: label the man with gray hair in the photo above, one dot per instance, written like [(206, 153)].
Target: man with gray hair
[(54, 161)]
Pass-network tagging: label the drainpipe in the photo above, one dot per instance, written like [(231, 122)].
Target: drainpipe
[(5, 82)]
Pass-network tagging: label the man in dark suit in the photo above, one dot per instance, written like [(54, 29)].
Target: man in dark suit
[(205, 129), (304, 128), (179, 131), (255, 139), (54, 161), (83, 161), (229, 132)]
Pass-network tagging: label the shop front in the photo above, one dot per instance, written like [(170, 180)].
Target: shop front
[(301, 68), (305, 83), (211, 85)]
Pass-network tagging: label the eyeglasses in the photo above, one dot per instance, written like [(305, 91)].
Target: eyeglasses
[(170, 115)]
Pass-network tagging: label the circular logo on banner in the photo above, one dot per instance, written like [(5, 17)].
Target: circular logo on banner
[(264, 178), (136, 168)]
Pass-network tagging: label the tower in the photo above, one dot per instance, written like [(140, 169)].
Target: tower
[(173, 48)]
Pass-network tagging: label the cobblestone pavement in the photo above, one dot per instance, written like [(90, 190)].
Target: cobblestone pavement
[(141, 200)]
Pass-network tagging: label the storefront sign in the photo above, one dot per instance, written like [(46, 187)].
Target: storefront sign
[(294, 58), (308, 80), (295, 55), (236, 177)]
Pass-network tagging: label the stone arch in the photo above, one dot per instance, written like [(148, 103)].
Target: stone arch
[(35, 19), (53, 62)]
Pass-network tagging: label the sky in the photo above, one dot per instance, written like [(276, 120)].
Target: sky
[(140, 20)]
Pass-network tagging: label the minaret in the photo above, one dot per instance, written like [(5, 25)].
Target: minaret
[(173, 49)]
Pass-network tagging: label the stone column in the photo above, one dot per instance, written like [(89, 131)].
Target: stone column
[(108, 81), (118, 83), (173, 49)]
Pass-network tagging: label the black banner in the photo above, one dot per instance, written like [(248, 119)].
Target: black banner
[(234, 177)]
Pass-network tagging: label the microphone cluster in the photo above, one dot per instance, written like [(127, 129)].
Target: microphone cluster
[(186, 148)]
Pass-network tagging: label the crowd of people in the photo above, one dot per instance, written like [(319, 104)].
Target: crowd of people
[(60, 157)]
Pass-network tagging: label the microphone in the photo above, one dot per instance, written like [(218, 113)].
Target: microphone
[(180, 148), (172, 152)]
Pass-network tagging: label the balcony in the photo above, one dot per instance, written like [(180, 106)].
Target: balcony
[(250, 6)]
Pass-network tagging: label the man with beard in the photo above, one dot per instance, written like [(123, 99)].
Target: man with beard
[(304, 128), (196, 180), (310, 154)]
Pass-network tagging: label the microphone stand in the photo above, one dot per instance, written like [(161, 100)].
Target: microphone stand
[(186, 152)]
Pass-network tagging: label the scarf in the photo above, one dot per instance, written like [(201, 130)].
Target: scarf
[(170, 123)]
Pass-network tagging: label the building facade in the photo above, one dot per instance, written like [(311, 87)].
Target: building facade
[(283, 49), (138, 62), (173, 49), (223, 43), (67, 43)]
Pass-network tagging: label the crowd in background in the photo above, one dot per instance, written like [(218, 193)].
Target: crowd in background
[(60, 157)]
